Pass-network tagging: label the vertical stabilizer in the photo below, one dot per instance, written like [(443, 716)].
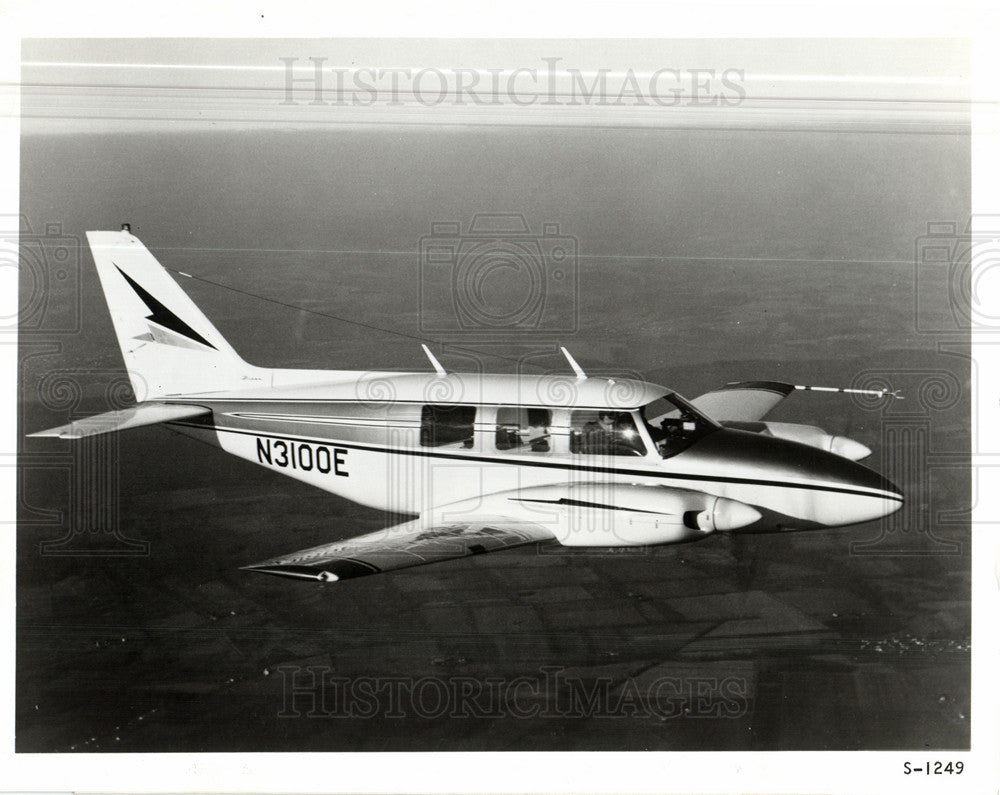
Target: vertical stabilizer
[(170, 348)]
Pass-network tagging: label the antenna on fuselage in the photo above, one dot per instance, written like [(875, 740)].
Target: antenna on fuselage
[(572, 363), (434, 361)]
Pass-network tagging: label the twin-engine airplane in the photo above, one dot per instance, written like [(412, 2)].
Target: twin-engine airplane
[(487, 462)]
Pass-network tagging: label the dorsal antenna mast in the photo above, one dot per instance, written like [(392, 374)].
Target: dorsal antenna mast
[(580, 375), (437, 365)]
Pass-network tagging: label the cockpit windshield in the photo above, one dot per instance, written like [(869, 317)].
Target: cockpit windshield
[(674, 424)]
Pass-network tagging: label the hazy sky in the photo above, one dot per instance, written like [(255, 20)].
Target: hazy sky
[(664, 203), (148, 84)]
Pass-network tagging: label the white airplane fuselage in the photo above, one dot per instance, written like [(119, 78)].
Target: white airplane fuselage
[(486, 462), (371, 451)]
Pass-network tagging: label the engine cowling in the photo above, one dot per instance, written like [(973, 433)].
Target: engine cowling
[(809, 435), (621, 515), (726, 514)]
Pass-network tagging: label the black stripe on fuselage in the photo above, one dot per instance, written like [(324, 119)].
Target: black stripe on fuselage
[(187, 400), (586, 504), (547, 464)]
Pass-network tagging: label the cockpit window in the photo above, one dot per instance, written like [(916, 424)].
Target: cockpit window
[(674, 424), (523, 430), (604, 432)]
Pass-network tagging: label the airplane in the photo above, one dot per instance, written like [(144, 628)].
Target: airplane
[(485, 462)]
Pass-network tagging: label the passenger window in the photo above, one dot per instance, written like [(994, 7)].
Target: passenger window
[(604, 432), (524, 430), (447, 425)]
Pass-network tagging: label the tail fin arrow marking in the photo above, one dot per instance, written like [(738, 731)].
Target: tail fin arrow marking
[(162, 316)]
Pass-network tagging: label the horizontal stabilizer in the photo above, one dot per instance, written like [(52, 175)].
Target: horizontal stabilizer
[(135, 417)]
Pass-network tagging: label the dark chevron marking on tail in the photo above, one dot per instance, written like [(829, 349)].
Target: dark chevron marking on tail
[(162, 316)]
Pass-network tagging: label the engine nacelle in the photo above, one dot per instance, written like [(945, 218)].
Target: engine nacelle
[(726, 514), (620, 515), (807, 434)]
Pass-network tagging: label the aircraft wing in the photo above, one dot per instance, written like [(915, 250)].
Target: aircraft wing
[(743, 401), (134, 417), (572, 514), (412, 543)]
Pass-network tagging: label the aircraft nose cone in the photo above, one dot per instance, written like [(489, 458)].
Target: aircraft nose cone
[(848, 448), (860, 476), (830, 489), (884, 497), (893, 505)]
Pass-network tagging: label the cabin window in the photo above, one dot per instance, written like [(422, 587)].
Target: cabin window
[(523, 430), (604, 432), (452, 426)]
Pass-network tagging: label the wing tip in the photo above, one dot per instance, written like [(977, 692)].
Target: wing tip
[(62, 432), (330, 570), (291, 572)]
